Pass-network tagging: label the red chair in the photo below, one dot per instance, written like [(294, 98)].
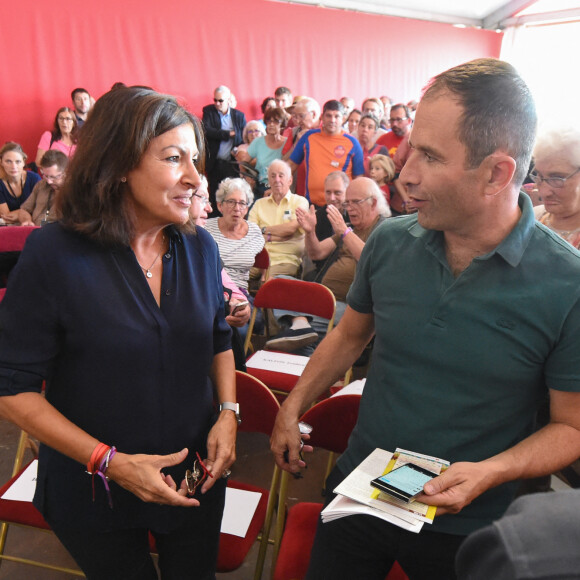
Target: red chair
[(295, 295), (12, 240), (332, 421), (262, 259)]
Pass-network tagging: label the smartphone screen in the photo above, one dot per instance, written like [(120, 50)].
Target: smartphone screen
[(405, 482)]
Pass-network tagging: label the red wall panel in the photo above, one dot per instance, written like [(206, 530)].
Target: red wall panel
[(186, 47)]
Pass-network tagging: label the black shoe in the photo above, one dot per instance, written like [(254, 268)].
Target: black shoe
[(291, 340)]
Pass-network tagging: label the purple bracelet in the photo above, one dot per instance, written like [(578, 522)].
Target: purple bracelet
[(101, 471)]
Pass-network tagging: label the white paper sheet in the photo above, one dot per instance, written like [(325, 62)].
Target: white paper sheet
[(354, 388), (23, 488), (279, 362), (239, 510)]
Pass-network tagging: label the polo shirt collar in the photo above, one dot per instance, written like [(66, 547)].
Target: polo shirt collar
[(511, 248)]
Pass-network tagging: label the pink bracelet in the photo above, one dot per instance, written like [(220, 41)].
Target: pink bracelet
[(346, 232)]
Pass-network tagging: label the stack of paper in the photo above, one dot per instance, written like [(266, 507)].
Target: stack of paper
[(357, 496)]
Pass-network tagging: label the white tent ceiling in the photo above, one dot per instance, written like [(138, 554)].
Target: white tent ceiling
[(490, 14)]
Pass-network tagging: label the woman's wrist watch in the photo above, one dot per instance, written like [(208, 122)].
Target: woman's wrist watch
[(235, 407)]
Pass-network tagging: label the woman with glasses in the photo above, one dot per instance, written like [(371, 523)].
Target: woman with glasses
[(16, 184), (557, 176), (238, 240), (119, 308), (266, 149), (62, 137)]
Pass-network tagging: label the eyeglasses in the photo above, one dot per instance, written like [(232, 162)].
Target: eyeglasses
[(555, 182), (66, 119), (346, 204), (276, 121), (51, 178), (202, 198), (197, 475), (398, 120), (232, 203), (254, 131)]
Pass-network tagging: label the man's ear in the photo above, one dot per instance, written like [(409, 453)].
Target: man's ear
[(499, 171)]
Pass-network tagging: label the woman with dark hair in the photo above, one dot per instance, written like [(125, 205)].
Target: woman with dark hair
[(120, 309), (62, 137), (264, 150), (16, 183)]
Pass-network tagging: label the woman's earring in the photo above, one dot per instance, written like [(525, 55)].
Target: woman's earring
[(123, 179)]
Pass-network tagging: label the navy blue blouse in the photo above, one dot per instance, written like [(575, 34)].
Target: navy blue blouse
[(15, 202), (129, 372)]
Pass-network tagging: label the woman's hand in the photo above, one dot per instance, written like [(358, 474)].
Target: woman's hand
[(221, 447), (141, 475), (336, 220), (240, 317)]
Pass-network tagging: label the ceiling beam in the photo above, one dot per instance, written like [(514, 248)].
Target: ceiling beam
[(570, 14), (494, 20), (373, 8)]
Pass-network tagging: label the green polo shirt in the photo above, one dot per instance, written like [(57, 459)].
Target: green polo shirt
[(460, 365)]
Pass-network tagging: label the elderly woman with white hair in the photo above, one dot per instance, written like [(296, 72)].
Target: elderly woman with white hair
[(556, 174), (238, 240)]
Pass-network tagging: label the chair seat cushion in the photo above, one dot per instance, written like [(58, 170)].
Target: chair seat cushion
[(20, 512)]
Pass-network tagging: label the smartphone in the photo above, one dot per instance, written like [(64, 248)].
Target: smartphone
[(240, 306), (405, 482)]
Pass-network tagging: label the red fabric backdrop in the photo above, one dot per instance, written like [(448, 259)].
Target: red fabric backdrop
[(187, 47)]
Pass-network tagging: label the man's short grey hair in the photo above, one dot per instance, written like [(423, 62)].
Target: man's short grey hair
[(337, 175), (223, 89), (311, 105), (560, 142), (232, 184), (281, 162)]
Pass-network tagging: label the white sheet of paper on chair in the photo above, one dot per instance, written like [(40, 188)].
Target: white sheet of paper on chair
[(23, 488), (239, 510), (279, 362)]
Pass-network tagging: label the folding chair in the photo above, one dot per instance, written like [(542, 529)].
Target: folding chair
[(262, 259), (333, 421), (23, 513), (12, 240), (258, 410), (294, 295)]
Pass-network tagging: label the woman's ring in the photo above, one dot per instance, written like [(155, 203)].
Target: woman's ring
[(226, 473)]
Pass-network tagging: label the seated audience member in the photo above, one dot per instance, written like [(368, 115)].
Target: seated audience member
[(252, 131), (352, 122), (557, 176), (367, 135), (17, 183), (367, 208), (63, 136), (267, 103), (536, 539), (38, 208), (382, 172), (236, 317), (335, 186), (82, 104), (238, 240), (266, 149), (275, 215)]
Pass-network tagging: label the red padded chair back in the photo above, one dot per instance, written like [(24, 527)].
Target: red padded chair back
[(298, 295), (262, 259), (333, 421), (12, 238), (258, 405)]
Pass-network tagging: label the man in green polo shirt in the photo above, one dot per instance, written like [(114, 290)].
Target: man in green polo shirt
[(476, 310)]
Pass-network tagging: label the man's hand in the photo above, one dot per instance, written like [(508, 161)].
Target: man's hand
[(458, 486), (286, 438), (306, 219), (336, 220)]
